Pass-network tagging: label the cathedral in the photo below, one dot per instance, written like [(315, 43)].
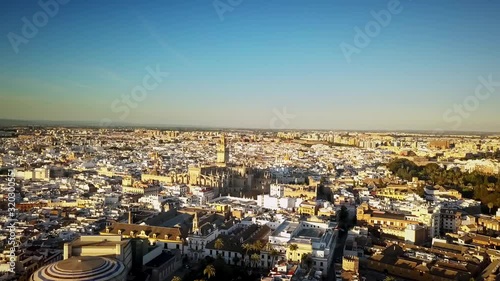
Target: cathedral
[(224, 177)]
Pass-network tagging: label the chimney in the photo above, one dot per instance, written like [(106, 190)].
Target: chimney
[(130, 220)]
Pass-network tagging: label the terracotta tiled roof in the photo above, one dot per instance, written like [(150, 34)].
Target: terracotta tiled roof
[(170, 233)]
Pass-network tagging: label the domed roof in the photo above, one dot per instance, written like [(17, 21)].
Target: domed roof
[(80, 269)]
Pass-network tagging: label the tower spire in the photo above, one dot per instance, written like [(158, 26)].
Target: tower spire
[(195, 223)]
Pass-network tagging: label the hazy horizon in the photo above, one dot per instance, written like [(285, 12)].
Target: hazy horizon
[(12, 123), (256, 64)]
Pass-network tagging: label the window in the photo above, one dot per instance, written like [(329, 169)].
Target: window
[(320, 264), (210, 252)]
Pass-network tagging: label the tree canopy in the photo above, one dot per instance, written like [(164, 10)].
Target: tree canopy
[(473, 185), (209, 271)]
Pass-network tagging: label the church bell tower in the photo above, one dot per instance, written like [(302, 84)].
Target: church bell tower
[(222, 151), (195, 229)]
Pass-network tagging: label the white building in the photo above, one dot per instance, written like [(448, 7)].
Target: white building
[(155, 201), (275, 203), (200, 236), (277, 190), (201, 195), (316, 238)]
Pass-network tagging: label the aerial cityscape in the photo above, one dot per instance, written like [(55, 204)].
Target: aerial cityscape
[(249, 140)]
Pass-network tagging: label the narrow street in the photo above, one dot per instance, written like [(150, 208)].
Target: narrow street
[(338, 254), (339, 247)]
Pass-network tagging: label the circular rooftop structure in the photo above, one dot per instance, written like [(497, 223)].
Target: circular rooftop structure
[(82, 269)]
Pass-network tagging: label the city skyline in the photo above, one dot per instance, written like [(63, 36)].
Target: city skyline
[(254, 64)]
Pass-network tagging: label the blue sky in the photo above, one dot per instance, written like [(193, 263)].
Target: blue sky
[(262, 56)]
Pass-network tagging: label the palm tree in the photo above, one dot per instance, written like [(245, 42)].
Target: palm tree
[(490, 206), (257, 245), (273, 253), (247, 247), (176, 278), (209, 271), (219, 244), (293, 248), (255, 258)]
